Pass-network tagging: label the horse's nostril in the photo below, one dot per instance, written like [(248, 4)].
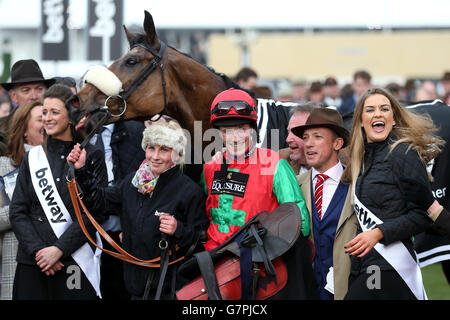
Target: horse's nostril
[(73, 102)]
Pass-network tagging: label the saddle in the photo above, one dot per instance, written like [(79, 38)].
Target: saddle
[(259, 243)]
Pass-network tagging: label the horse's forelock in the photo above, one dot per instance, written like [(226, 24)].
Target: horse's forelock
[(139, 38)]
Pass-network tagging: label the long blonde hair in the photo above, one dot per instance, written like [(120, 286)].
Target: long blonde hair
[(411, 128)]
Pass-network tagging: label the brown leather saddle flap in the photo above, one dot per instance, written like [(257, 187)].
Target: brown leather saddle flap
[(229, 281), (283, 226)]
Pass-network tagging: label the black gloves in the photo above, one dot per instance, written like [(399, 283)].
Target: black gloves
[(417, 192)]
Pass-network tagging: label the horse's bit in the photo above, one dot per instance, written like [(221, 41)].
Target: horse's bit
[(125, 93)]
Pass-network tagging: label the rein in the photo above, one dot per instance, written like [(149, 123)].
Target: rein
[(123, 255)]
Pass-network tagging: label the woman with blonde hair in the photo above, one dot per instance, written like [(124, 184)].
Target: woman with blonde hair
[(25, 132), (157, 204), (387, 142)]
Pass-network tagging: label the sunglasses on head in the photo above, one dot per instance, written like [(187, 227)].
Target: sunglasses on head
[(241, 107)]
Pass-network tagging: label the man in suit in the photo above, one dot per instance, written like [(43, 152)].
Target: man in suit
[(328, 200)]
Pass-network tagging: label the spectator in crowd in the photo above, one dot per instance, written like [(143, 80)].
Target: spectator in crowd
[(26, 131), (157, 202), (387, 142), (395, 90), (294, 154), (430, 88), (315, 93), (332, 93), (299, 90), (246, 78), (27, 82), (68, 82), (263, 92), (445, 83), (51, 242), (285, 92), (5, 106), (362, 80), (328, 200), (410, 88), (422, 94), (446, 98)]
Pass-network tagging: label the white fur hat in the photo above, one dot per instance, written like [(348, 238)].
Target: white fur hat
[(168, 134)]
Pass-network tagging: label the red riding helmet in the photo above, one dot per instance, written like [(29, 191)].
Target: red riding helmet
[(233, 107)]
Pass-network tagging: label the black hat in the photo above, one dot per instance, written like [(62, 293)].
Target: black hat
[(326, 118), (26, 71)]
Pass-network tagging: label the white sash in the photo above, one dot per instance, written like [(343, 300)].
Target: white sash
[(395, 253), (58, 216)]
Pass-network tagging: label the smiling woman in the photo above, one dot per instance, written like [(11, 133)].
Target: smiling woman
[(387, 143), (157, 204), (377, 118), (51, 243), (55, 114)]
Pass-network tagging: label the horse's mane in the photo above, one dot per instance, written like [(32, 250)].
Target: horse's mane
[(229, 83), (141, 38)]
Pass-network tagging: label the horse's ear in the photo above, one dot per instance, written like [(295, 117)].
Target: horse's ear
[(129, 35), (149, 27)]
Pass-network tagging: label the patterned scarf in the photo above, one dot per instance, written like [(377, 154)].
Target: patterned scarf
[(144, 180)]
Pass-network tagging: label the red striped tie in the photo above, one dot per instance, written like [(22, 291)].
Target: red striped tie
[(318, 193)]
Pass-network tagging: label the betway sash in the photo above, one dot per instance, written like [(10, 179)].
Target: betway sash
[(58, 216), (395, 253)]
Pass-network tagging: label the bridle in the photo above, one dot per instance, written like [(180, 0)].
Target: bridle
[(125, 93)]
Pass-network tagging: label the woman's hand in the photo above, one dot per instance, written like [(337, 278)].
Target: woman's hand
[(77, 157), (363, 242), (168, 224), (47, 257), (55, 268)]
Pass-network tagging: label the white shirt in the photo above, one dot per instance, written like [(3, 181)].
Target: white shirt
[(106, 137), (330, 185), (302, 170), (113, 222)]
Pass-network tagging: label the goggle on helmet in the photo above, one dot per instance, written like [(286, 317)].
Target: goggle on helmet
[(233, 107)]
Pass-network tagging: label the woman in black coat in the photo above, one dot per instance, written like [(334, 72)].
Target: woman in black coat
[(157, 202), (46, 266), (387, 143), (422, 195)]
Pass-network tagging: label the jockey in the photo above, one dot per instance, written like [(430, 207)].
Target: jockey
[(245, 180)]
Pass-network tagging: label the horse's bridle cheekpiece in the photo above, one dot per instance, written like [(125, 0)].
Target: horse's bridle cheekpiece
[(112, 86)]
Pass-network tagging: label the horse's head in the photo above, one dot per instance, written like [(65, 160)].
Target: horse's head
[(134, 86)]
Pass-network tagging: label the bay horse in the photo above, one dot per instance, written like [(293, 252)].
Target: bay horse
[(158, 79)]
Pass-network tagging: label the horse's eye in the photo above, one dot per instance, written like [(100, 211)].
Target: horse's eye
[(131, 62)]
